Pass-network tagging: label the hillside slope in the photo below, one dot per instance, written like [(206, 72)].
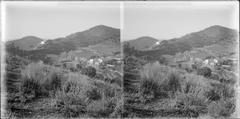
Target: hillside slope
[(97, 37), (142, 43), (25, 43), (211, 36)]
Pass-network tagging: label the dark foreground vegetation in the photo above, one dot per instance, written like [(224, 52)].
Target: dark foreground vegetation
[(153, 89), (38, 90)]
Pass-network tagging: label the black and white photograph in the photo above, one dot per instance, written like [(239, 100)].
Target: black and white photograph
[(180, 60), (63, 60), (120, 59)]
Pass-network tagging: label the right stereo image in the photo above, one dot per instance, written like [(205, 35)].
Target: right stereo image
[(180, 60)]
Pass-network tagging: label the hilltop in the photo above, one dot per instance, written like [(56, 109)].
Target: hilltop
[(96, 38)]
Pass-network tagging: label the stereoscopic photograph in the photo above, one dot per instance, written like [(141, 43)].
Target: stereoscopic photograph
[(167, 60)]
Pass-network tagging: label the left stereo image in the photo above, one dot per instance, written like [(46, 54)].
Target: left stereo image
[(62, 60)]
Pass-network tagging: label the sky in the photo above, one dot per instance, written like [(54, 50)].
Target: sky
[(161, 20), (168, 20), (49, 20)]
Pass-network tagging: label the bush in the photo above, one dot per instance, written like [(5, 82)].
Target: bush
[(89, 71), (192, 95), (40, 80), (107, 90), (30, 89), (222, 108), (196, 85), (173, 82), (220, 91), (190, 101), (149, 90), (205, 71), (158, 81), (107, 99), (72, 99), (102, 108), (228, 77), (152, 79), (118, 110), (188, 94), (80, 95)]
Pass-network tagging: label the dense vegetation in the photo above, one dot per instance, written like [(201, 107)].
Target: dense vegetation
[(182, 78), (154, 89), (42, 90)]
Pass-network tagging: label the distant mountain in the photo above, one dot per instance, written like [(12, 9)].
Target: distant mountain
[(210, 36), (142, 43), (91, 36), (25, 43), (97, 35)]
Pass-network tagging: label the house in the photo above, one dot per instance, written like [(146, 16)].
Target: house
[(95, 62), (210, 62)]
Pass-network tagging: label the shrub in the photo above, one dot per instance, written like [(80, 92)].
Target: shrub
[(220, 91), (222, 108), (102, 108), (196, 85), (173, 82), (30, 89), (227, 76), (80, 95), (105, 99), (118, 110), (214, 77), (72, 99), (192, 95), (190, 101), (158, 81), (107, 90), (89, 71), (40, 80), (53, 82), (149, 89), (205, 71), (94, 94)]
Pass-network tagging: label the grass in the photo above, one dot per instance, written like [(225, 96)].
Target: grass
[(39, 80), (71, 100), (222, 108), (82, 95), (72, 94), (158, 81), (160, 90), (102, 107), (170, 92)]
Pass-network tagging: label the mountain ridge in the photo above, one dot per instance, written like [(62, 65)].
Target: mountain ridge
[(207, 37), (142, 43), (92, 36), (25, 43)]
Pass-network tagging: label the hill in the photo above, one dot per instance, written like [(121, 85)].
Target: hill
[(142, 43), (213, 36), (96, 37), (91, 36), (26, 43)]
